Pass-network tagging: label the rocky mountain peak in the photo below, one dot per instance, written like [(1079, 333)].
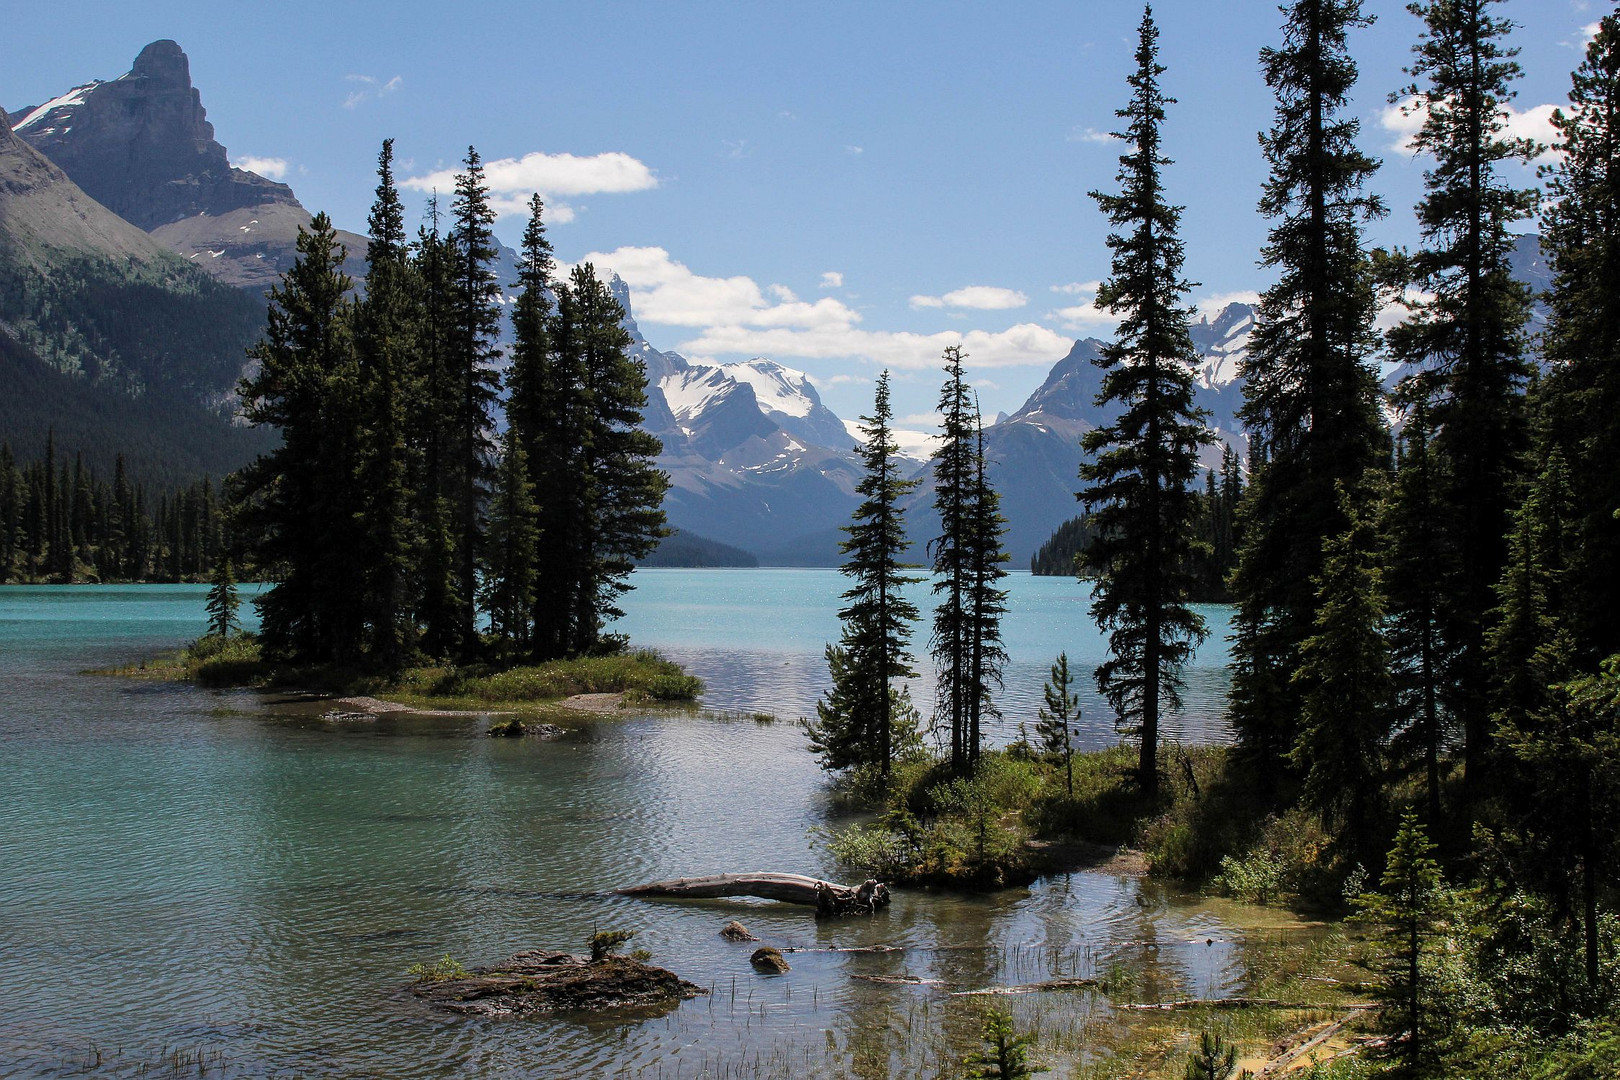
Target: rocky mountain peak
[(142, 146)]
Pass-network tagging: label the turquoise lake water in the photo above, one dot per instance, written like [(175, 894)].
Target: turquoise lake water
[(219, 883)]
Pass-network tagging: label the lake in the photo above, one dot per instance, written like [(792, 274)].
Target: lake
[(217, 883)]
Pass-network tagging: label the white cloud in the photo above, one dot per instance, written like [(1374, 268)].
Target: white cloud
[(370, 88), (1404, 119), (841, 379), (735, 148), (1210, 306), (1078, 288), (977, 297), (665, 291), (273, 167), (1088, 135), (1085, 317), (1026, 344), (854, 151), (1397, 310), (832, 279), (512, 180)]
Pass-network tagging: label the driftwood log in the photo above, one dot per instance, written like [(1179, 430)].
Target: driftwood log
[(827, 897)]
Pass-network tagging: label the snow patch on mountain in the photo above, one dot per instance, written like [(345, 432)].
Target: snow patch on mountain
[(56, 111)]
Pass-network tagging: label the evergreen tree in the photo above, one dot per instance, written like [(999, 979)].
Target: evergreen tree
[(860, 721), (438, 603), (1570, 749), (1468, 341), (1581, 236), (1413, 582), (1056, 726), (624, 489), (223, 601), (986, 600), (1006, 1052), (1311, 397), (474, 324), (509, 583), (1344, 683), (299, 500), (386, 342), (546, 408), (1216, 1059), (954, 480), (1143, 465), (10, 512), (1405, 915)]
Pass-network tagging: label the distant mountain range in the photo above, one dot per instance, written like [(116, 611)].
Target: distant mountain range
[(120, 185)]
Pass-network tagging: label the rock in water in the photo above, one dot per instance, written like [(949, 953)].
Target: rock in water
[(541, 983), (769, 959), (736, 931)]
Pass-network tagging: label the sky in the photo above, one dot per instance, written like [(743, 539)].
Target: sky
[(842, 187)]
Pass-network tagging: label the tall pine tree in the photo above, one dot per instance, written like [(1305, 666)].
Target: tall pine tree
[(298, 514), (1311, 396), (863, 720), (1139, 480), (1468, 341), (475, 316), (386, 341), (954, 479), (1581, 236)]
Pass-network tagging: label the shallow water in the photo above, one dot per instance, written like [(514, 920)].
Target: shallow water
[(212, 884)]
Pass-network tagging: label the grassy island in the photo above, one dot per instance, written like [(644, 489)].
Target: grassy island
[(641, 676)]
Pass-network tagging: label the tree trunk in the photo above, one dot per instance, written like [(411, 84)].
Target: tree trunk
[(828, 898)]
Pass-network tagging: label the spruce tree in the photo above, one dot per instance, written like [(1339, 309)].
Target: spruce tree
[(863, 720), (1216, 1059), (10, 511), (1406, 914), (1311, 395), (1344, 683), (1581, 236), (1468, 341), (385, 344), (1414, 579), (1056, 726), (1139, 479), (223, 601), (624, 489), (300, 499), (474, 325), (1005, 1055), (438, 603), (986, 599), (954, 480), (546, 409), (509, 582)]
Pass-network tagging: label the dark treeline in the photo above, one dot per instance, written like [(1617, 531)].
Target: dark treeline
[(1210, 563), (61, 522), (391, 522)]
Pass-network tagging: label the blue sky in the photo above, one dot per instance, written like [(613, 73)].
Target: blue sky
[(835, 185)]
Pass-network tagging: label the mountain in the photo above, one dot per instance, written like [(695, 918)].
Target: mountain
[(755, 460), (142, 146), (107, 337)]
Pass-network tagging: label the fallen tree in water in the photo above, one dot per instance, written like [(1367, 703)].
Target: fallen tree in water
[(538, 983), (827, 897)]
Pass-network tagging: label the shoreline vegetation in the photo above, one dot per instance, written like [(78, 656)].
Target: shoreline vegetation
[(522, 693)]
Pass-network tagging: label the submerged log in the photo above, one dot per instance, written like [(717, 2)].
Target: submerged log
[(827, 897), (539, 983)]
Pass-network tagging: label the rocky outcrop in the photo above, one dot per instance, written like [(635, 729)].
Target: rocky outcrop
[(142, 146), (535, 983)]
